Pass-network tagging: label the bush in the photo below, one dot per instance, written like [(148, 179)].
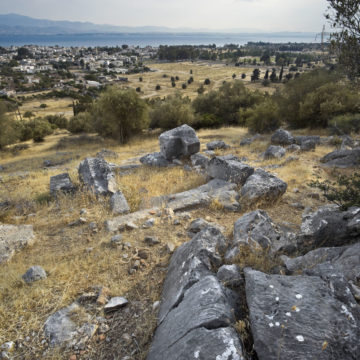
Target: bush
[(43, 106), (207, 82), (206, 121), (224, 104), (26, 129), (172, 112), (41, 129), (173, 84), (263, 117), (58, 120), (157, 87), (295, 92), (243, 76), (201, 89), (184, 86), (345, 124), (9, 132), (138, 89), (344, 191), (119, 114), (80, 123), (28, 114)]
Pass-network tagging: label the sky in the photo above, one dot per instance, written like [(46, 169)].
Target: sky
[(268, 15)]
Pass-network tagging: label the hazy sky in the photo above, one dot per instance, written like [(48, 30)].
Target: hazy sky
[(271, 15)]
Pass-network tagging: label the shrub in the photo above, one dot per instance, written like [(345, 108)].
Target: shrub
[(177, 78), (344, 191), (9, 131), (201, 89), (138, 89), (171, 112), (224, 104), (80, 123), (157, 87), (43, 106), (173, 84), (58, 120), (41, 129), (263, 117), (140, 79), (28, 114), (243, 76), (345, 124), (207, 82), (206, 121), (184, 86), (295, 93), (119, 114)]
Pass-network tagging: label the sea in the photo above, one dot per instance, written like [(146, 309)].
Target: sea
[(154, 39)]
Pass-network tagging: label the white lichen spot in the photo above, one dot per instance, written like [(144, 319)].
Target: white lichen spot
[(271, 325), (183, 264), (230, 352), (288, 314), (196, 354), (277, 298), (270, 317), (349, 315), (277, 324), (299, 296), (300, 338), (297, 309), (271, 286)]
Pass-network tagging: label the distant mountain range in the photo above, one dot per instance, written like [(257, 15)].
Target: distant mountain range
[(14, 24)]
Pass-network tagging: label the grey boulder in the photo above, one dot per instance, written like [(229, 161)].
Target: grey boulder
[(256, 231), (300, 317), (229, 169), (293, 148), (262, 187), (178, 142), (200, 224), (155, 159), (299, 140), (282, 137), (206, 307), (342, 158), (329, 227), (96, 174), (61, 183), (217, 144), (199, 160), (274, 152), (343, 260), (230, 275), (34, 273), (308, 145), (118, 203)]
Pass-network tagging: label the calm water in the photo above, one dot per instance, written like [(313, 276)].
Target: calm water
[(153, 39)]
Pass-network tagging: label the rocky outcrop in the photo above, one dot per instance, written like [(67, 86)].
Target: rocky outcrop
[(61, 184), (301, 317), (256, 231), (262, 187), (328, 227), (215, 190), (229, 168), (282, 137), (343, 260), (178, 142), (14, 238), (196, 311), (199, 160), (217, 144), (96, 174), (200, 224), (274, 152), (118, 203), (342, 158), (155, 159)]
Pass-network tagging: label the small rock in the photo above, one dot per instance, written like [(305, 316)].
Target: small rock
[(151, 240), (126, 337), (187, 168), (156, 305), (8, 346), (35, 273), (118, 203), (217, 144), (230, 275), (293, 148), (149, 223), (78, 222), (103, 328), (115, 303), (143, 254), (176, 222), (130, 226), (116, 240), (83, 212), (170, 247), (282, 137), (136, 265), (177, 162), (274, 152), (61, 183)]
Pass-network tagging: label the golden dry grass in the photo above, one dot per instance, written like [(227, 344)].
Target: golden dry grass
[(53, 107), (216, 72), (76, 258)]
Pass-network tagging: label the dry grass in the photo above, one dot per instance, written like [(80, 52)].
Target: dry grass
[(216, 72), (53, 107), (76, 258)]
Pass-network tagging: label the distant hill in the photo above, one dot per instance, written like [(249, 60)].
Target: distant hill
[(11, 24)]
